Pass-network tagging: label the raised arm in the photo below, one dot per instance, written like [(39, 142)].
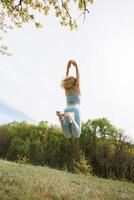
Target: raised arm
[(68, 67), (72, 62), (77, 70), (77, 85)]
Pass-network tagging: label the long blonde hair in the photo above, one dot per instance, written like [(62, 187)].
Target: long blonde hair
[(68, 83)]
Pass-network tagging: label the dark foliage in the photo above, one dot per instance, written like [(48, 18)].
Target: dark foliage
[(102, 148)]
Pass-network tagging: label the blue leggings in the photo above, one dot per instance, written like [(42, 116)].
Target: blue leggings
[(72, 128)]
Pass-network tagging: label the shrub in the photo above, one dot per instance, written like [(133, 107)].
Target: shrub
[(82, 166), (5, 140)]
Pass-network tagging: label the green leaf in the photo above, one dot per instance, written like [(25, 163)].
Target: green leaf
[(81, 5), (38, 25), (91, 1)]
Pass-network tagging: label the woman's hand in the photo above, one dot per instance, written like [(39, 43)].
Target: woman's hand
[(74, 63)]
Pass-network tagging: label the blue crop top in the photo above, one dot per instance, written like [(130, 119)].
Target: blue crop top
[(73, 99)]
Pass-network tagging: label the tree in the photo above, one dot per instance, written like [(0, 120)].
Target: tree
[(22, 11), (17, 12), (3, 29)]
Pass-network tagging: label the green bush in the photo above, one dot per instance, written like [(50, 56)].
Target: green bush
[(22, 160), (18, 146), (82, 166), (5, 140)]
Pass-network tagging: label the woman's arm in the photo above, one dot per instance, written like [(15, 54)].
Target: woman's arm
[(77, 85), (77, 71), (68, 67)]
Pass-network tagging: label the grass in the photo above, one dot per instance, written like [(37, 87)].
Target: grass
[(27, 182)]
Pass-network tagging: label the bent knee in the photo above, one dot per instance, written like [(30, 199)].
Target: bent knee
[(77, 135), (67, 136)]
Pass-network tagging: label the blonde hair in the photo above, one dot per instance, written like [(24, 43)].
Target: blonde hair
[(68, 83)]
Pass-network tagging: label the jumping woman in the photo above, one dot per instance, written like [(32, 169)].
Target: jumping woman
[(70, 119)]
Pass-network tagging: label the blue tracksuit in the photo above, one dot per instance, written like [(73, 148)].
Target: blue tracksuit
[(72, 128)]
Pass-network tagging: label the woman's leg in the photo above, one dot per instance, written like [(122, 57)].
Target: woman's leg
[(75, 129), (65, 124), (75, 124), (66, 128)]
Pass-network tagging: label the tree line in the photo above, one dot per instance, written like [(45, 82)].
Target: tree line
[(102, 149)]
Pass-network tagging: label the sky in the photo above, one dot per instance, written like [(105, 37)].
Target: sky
[(103, 47)]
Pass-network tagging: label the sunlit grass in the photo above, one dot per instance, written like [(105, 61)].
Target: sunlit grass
[(27, 182)]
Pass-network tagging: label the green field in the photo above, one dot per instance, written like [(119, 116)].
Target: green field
[(27, 182)]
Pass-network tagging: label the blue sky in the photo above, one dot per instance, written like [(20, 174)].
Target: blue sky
[(103, 46), (9, 114)]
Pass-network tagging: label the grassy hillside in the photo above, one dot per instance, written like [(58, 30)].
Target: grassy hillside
[(27, 182)]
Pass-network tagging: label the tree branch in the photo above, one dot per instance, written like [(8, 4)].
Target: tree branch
[(85, 9), (66, 9), (18, 5)]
